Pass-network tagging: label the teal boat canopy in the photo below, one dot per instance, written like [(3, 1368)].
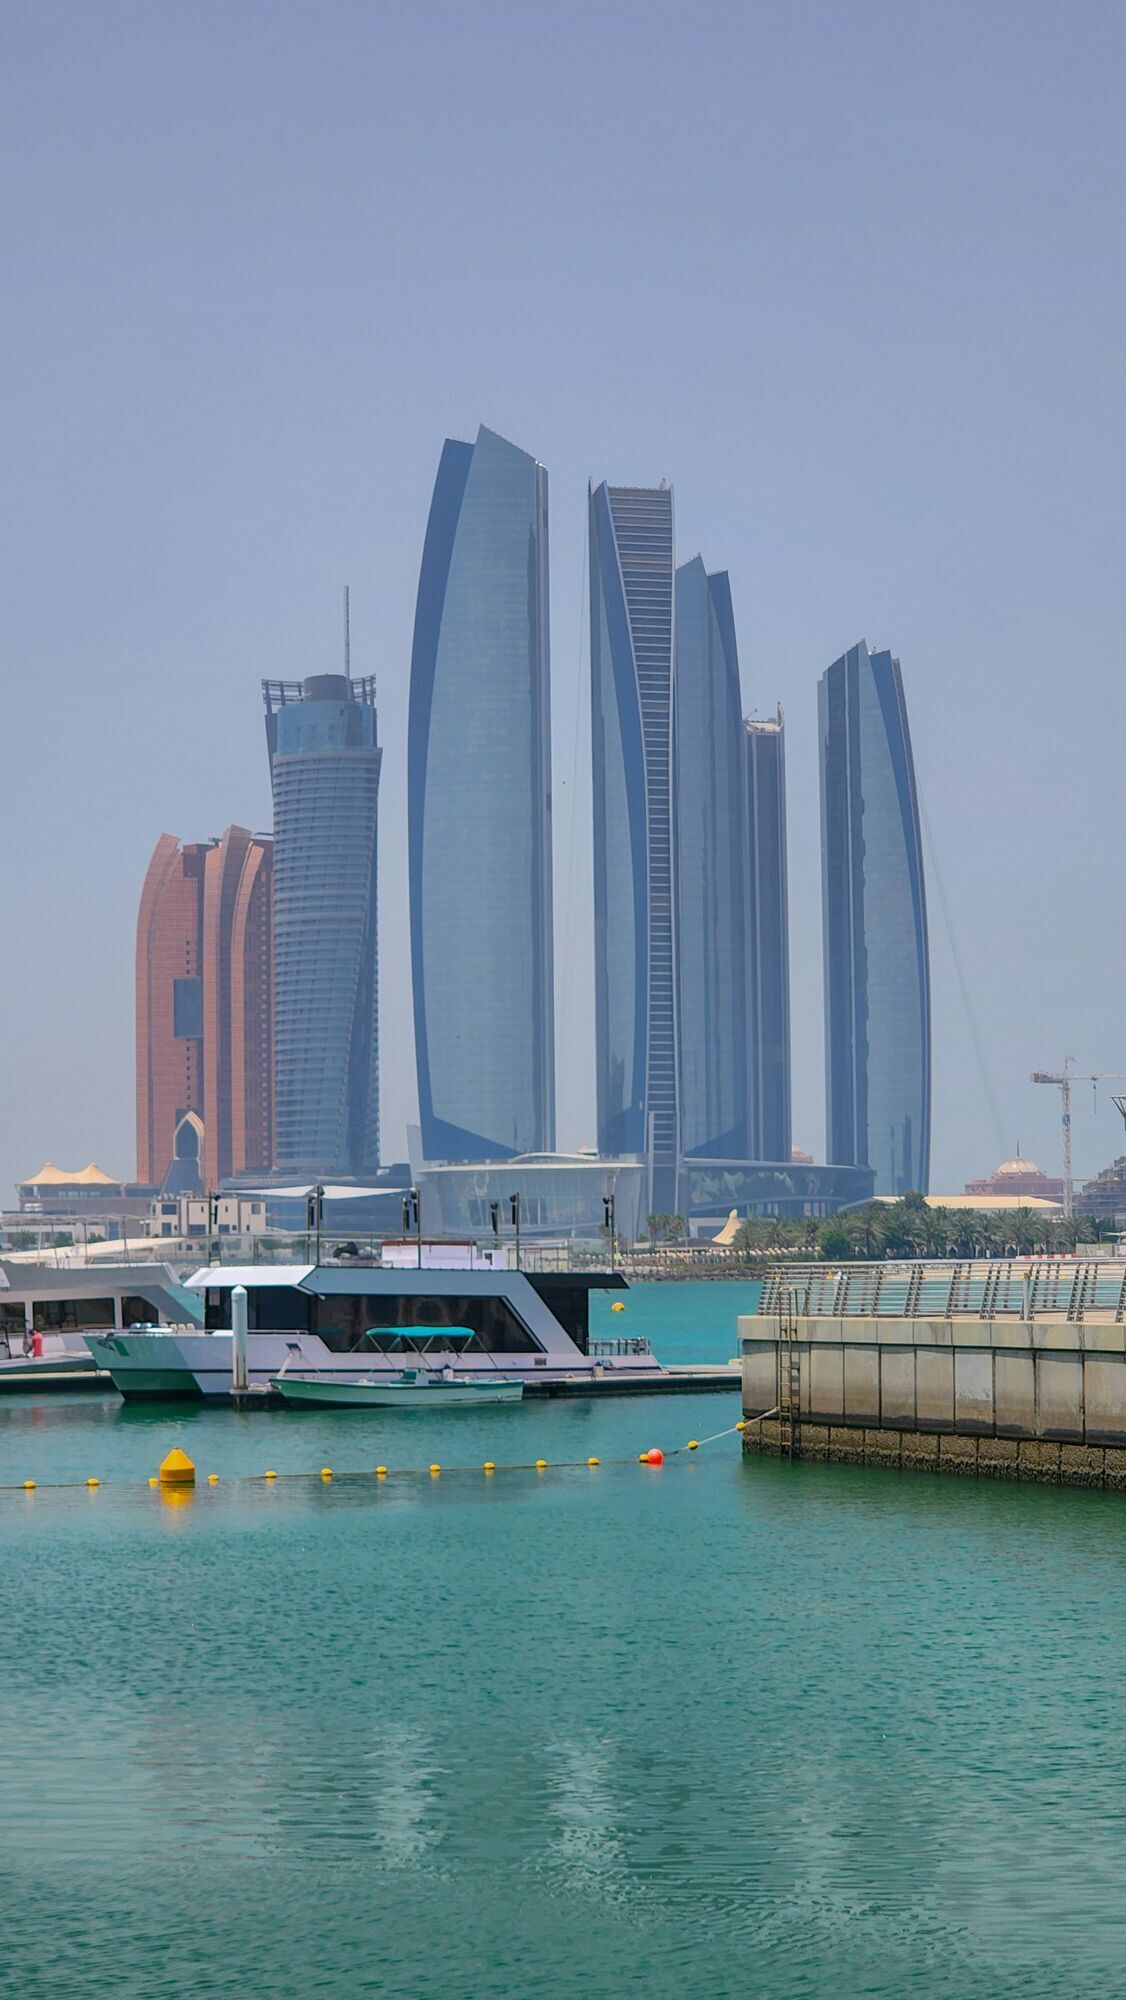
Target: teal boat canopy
[(416, 1339)]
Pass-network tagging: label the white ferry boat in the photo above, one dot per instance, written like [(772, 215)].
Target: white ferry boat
[(47, 1311), (325, 1322)]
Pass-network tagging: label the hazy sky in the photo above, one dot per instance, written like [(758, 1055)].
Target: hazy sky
[(851, 277)]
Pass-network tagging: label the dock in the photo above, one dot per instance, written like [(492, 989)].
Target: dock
[(684, 1379), (1001, 1369)]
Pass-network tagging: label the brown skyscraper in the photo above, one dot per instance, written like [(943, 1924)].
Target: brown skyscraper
[(204, 1010)]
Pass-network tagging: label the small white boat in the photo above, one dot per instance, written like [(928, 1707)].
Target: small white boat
[(411, 1389)]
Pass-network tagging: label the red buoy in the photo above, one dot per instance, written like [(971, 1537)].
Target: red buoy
[(654, 1457)]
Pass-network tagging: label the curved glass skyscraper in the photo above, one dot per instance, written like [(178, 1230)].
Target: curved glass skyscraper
[(877, 973), (324, 766), (768, 941), (632, 725), (479, 774), (711, 859)]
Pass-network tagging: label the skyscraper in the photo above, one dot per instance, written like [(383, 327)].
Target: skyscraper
[(324, 767), (204, 1012), (877, 975), (479, 758), (768, 941), (711, 865), (632, 723)]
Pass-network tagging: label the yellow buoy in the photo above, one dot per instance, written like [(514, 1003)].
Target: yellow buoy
[(618, 1306), (213, 1479), (93, 1482), (693, 1444), (643, 1458), (154, 1480), (381, 1472), (269, 1475), (594, 1461), (29, 1485), (177, 1469), (326, 1472), (435, 1469), (541, 1465), (488, 1466), (740, 1426)]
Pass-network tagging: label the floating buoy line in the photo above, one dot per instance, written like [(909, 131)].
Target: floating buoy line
[(177, 1473)]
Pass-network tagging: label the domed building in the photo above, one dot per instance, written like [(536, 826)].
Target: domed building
[(1016, 1181)]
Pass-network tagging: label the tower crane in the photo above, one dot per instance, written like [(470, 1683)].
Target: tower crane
[(1063, 1082)]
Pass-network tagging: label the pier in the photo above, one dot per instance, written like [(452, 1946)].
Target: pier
[(1009, 1370)]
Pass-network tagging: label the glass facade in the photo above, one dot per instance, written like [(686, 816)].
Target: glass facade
[(768, 941), (631, 664), (877, 975), (324, 765), (479, 773), (711, 908)]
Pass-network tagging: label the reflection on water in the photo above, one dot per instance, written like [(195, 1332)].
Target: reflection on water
[(787, 1730), (587, 1849)]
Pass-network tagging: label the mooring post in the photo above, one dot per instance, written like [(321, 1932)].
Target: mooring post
[(238, 1341)]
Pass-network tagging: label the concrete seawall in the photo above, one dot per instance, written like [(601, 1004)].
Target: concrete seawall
[(1041, 1399)]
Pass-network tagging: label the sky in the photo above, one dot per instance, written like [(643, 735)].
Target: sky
[(850, 277)]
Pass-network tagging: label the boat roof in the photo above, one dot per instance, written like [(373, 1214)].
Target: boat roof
[(393, 1277), (210, 1279)]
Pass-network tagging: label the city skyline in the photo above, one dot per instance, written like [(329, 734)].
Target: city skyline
[(706, 795), (235, 372), (908, 1139)]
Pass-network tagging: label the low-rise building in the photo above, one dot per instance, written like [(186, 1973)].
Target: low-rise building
[(1105, 1196), (1015, 1181), (202, 1215)]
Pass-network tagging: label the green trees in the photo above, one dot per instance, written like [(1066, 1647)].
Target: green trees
[(910, 1228), (665, 1228)]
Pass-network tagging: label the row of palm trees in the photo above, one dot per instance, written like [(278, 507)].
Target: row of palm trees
[(910, 1228)]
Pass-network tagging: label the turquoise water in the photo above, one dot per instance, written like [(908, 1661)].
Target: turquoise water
[(717, 1728)]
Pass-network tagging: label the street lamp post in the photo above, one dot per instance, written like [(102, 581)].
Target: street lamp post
[(314, 1216), (514, 1203), (608, 1209), (412, 1214)]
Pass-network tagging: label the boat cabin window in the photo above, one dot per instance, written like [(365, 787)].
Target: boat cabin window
[(136, 1311), (69, 1315), (269, 1309), (11, 1317), (361, 1323)]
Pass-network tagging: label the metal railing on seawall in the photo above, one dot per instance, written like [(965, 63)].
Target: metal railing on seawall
[(1019, 1287)]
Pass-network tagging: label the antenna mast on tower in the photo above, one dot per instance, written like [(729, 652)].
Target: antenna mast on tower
[(347, 636)]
